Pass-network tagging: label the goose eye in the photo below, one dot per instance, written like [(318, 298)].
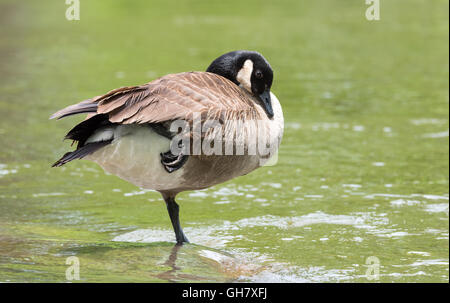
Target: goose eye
[(258, 74)]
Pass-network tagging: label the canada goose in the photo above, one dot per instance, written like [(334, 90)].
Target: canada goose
[(128, 130)]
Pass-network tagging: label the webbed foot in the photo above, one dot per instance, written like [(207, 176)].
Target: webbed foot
[(172, 162)]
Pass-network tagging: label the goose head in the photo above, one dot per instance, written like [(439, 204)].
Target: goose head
[(250, 70)]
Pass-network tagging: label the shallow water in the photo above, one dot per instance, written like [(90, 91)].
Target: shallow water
[(362, 171)]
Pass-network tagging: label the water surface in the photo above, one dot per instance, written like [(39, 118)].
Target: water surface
[(362, 171)]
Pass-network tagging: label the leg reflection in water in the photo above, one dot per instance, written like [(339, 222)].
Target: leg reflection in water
[(175, 274), (170, 275)]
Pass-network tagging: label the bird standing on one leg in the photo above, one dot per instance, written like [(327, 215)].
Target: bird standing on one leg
[(128, 130)]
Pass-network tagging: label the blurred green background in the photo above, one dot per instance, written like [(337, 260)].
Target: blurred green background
[(363, 167)]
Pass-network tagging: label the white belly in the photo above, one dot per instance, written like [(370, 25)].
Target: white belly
[(135, 157)]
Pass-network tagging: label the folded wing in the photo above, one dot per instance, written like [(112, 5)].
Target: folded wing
[(175, 96)]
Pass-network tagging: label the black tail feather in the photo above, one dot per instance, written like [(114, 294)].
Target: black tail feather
[(82, 131), (81, 152)]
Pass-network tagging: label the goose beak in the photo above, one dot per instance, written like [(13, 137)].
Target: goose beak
[(267, 104)]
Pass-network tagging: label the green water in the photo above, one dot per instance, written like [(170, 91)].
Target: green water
[(362, 171)]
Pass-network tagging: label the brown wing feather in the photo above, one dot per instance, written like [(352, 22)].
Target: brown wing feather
[(177, 96), (174, 96)]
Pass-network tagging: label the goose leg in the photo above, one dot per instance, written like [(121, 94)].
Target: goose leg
[(169, 161), (172, 162), (173, 209)]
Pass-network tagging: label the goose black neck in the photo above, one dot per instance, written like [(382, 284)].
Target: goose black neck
[(228, 65)]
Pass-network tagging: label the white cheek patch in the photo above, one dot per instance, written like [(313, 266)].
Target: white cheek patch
[(245, 74)]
